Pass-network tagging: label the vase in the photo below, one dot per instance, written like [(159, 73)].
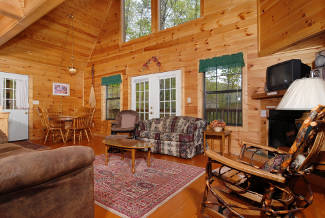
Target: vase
[(218, 129)]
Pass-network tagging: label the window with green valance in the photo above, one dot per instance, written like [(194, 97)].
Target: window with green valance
[(110, 80), (112, 106), (222, 61), (223, 88)]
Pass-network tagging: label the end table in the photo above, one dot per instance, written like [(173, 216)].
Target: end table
[(222, 135)]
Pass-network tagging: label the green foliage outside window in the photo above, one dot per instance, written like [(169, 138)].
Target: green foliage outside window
[(137, 15), (137, 18), (223, 95), (174, 12), (112, 101)]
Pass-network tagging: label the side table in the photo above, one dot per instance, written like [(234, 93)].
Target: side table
[(222, 135)]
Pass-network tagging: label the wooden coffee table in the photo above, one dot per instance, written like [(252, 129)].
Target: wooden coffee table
[(122, 142)]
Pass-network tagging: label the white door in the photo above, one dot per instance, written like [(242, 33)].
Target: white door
[(157, 95), (14, 99)]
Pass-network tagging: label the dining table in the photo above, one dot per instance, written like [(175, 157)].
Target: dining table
[(64, 121), (61, 118)]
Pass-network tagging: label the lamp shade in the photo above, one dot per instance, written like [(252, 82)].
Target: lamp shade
[(304, 94)]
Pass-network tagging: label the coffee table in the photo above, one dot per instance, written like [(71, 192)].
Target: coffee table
[(122, 142)]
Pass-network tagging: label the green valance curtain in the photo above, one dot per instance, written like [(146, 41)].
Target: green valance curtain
[(116, 79), (225, 60)]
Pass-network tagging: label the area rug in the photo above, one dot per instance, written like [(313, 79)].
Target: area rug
[(31, 145), (139, 194)]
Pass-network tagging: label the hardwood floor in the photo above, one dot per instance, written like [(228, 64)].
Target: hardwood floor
[(187, 202)]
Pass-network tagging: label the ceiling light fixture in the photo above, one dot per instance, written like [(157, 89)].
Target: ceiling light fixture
[(71, 68)]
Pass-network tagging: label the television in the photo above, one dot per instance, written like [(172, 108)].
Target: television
[(281, 75)]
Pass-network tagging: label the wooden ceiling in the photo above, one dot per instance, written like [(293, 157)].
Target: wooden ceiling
[(48, 40), (16, 15)]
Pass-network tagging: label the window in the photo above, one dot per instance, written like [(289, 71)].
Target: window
[(223, 88), (174, 12), (112, 101), (223, 95), (9, 94), (137, 18)]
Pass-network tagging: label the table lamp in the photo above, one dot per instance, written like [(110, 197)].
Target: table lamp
[(303, 94)]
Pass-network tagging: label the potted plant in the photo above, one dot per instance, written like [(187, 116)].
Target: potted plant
[(217, 125)]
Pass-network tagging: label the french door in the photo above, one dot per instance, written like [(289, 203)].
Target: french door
[(157, 95), (14, 99)]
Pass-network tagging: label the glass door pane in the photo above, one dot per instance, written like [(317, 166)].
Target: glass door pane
[(142, 99), (167, 97), (157, 95)]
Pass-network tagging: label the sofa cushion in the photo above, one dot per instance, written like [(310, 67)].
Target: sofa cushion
[(9, 149), (35, 167), (149, 135), (176, 137), (177, 124), (156, 125)]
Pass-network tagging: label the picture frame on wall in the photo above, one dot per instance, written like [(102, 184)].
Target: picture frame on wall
[(62, 89)]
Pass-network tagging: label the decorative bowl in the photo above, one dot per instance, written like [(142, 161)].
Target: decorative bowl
[(218, 129)]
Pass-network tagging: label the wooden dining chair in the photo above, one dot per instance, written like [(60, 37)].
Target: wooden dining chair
[(48, 127), (79, 125), (90, 120)]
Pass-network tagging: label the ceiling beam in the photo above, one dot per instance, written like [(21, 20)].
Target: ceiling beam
[(22, 3), (34, 10), (10, 9)]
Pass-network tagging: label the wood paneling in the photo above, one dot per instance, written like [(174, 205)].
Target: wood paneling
[(43, 52), (227, 27), (285, 22)]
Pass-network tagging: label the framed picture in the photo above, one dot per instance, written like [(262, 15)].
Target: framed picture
[(61, 89)]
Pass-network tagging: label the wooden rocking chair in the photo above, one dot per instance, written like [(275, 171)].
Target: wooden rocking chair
[(240, 188)]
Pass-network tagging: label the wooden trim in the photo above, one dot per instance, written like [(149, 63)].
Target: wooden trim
[(155, 16), (265, 95), (121, 30), (267, 148), (11, 11), (258, 26), (201, 8)]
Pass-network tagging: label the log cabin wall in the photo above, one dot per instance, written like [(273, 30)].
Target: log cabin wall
[(43, 52), (226, 27)]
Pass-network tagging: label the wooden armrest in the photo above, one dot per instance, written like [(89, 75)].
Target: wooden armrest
[(244, 167), (114, 122), (267, 148)]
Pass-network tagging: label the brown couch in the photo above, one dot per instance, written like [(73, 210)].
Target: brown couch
[(48, 183)]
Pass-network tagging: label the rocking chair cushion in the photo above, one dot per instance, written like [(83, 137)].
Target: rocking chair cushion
[(274, 163)]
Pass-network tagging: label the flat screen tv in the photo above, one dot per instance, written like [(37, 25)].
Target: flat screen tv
[(281, 75)]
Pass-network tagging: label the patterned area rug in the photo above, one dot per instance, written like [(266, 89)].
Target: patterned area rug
[(139, 194)]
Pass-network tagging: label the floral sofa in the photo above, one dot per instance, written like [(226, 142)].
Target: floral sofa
[(178, 136)]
